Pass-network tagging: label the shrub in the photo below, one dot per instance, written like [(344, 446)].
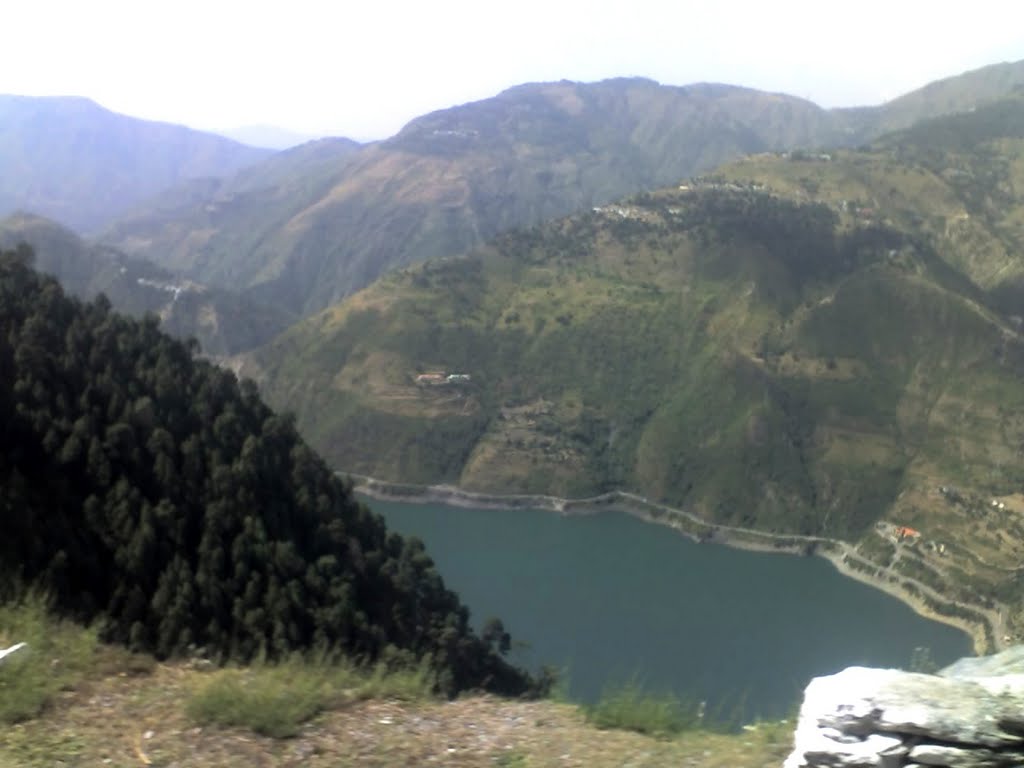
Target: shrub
[(276, 699), (271, 700), (57, 656), (630, 708)]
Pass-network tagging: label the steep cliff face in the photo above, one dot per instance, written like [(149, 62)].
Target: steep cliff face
[(968, 714)]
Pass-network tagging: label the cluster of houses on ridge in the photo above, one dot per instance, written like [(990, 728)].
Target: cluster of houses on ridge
[(440, 377)]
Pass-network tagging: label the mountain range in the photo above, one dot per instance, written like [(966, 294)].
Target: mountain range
[(455, 178), (677, 343), (300, 229), (69, 159)]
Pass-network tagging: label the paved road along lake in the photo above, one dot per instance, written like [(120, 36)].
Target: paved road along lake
[(608, 597)]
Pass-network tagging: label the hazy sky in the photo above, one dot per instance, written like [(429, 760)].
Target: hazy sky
[(363, 69)]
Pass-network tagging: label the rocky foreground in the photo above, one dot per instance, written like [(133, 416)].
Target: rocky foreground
[(968, 715)]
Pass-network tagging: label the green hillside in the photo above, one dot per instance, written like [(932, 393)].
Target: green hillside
[(806, 343), (72, 160), (222, 321), (306, 237), (952, 180), (757, 358), (154, 495)]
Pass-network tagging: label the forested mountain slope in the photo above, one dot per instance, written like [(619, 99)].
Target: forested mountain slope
[(151, 492), (70, 159)]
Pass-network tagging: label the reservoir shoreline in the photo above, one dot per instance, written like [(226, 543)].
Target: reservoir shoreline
[(986, 630)]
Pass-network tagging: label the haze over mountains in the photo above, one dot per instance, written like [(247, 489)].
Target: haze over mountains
[(223, 322), (305, 227), (267, 136), (72, 160)]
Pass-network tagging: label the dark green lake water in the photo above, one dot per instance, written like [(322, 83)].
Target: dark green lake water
[(609, 597)]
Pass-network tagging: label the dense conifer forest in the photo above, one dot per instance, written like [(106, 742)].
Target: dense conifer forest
[(154, 493)]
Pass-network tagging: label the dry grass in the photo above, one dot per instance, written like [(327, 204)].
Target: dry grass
[(128, 715)]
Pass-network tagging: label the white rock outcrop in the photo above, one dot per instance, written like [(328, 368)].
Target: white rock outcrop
[(969, 714)]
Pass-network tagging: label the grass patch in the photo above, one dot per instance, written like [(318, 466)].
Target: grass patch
[(514, 759), (21, 747), (404, 683), (629, 707), (57, 656), (276, 699), (273, 701)]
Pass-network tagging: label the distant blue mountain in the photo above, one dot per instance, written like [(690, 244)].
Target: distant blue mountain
[(70, 159)]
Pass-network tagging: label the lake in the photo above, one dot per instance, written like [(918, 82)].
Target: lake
[(610, 598)]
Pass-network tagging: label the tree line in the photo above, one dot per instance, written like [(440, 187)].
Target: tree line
[(151, 491)]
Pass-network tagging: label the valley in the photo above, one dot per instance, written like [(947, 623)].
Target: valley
[(538, 330), (799, 344), (919, 582)]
